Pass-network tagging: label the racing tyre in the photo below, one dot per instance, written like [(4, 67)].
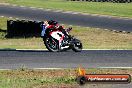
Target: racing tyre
[(51, 44), (77, 46)]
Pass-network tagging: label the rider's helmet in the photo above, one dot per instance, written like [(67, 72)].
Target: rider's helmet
[(52, 22)]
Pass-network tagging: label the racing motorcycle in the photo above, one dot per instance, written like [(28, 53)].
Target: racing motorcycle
[(56, 40)]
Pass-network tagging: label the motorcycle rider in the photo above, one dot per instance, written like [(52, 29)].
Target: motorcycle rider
[(44, 27), (53, 25), (48, 25)]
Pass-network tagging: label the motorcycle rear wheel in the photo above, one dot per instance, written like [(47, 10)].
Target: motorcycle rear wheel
[(51, 44)]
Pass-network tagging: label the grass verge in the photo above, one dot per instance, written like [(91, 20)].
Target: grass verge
[(91, 38), (64, 78), (106, 8)]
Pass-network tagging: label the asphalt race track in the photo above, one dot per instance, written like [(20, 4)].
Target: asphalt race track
[(11, 59), (40, 59), (14, 59), (67, 18)]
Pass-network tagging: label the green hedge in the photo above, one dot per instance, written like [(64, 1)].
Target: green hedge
[(23, 28)]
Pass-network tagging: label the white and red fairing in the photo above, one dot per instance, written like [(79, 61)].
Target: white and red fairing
[(58, 35)]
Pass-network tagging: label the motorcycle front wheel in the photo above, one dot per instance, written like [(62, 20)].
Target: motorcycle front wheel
[(51, 44), (77, 47)]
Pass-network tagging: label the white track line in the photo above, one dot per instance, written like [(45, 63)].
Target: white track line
[(2, 16), (22, 6), (73, 12), (49, 68), (85, 68), (82, 49), (14, 5), (40, 8), (67, 12), (116, 67), (33, 49), (17, 18), (75, 68), (32, 7), (41, 68), (47, 9), (58, 11), (5, 4), (104, 49), (46, 49), (10, 17), (5, 69)]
